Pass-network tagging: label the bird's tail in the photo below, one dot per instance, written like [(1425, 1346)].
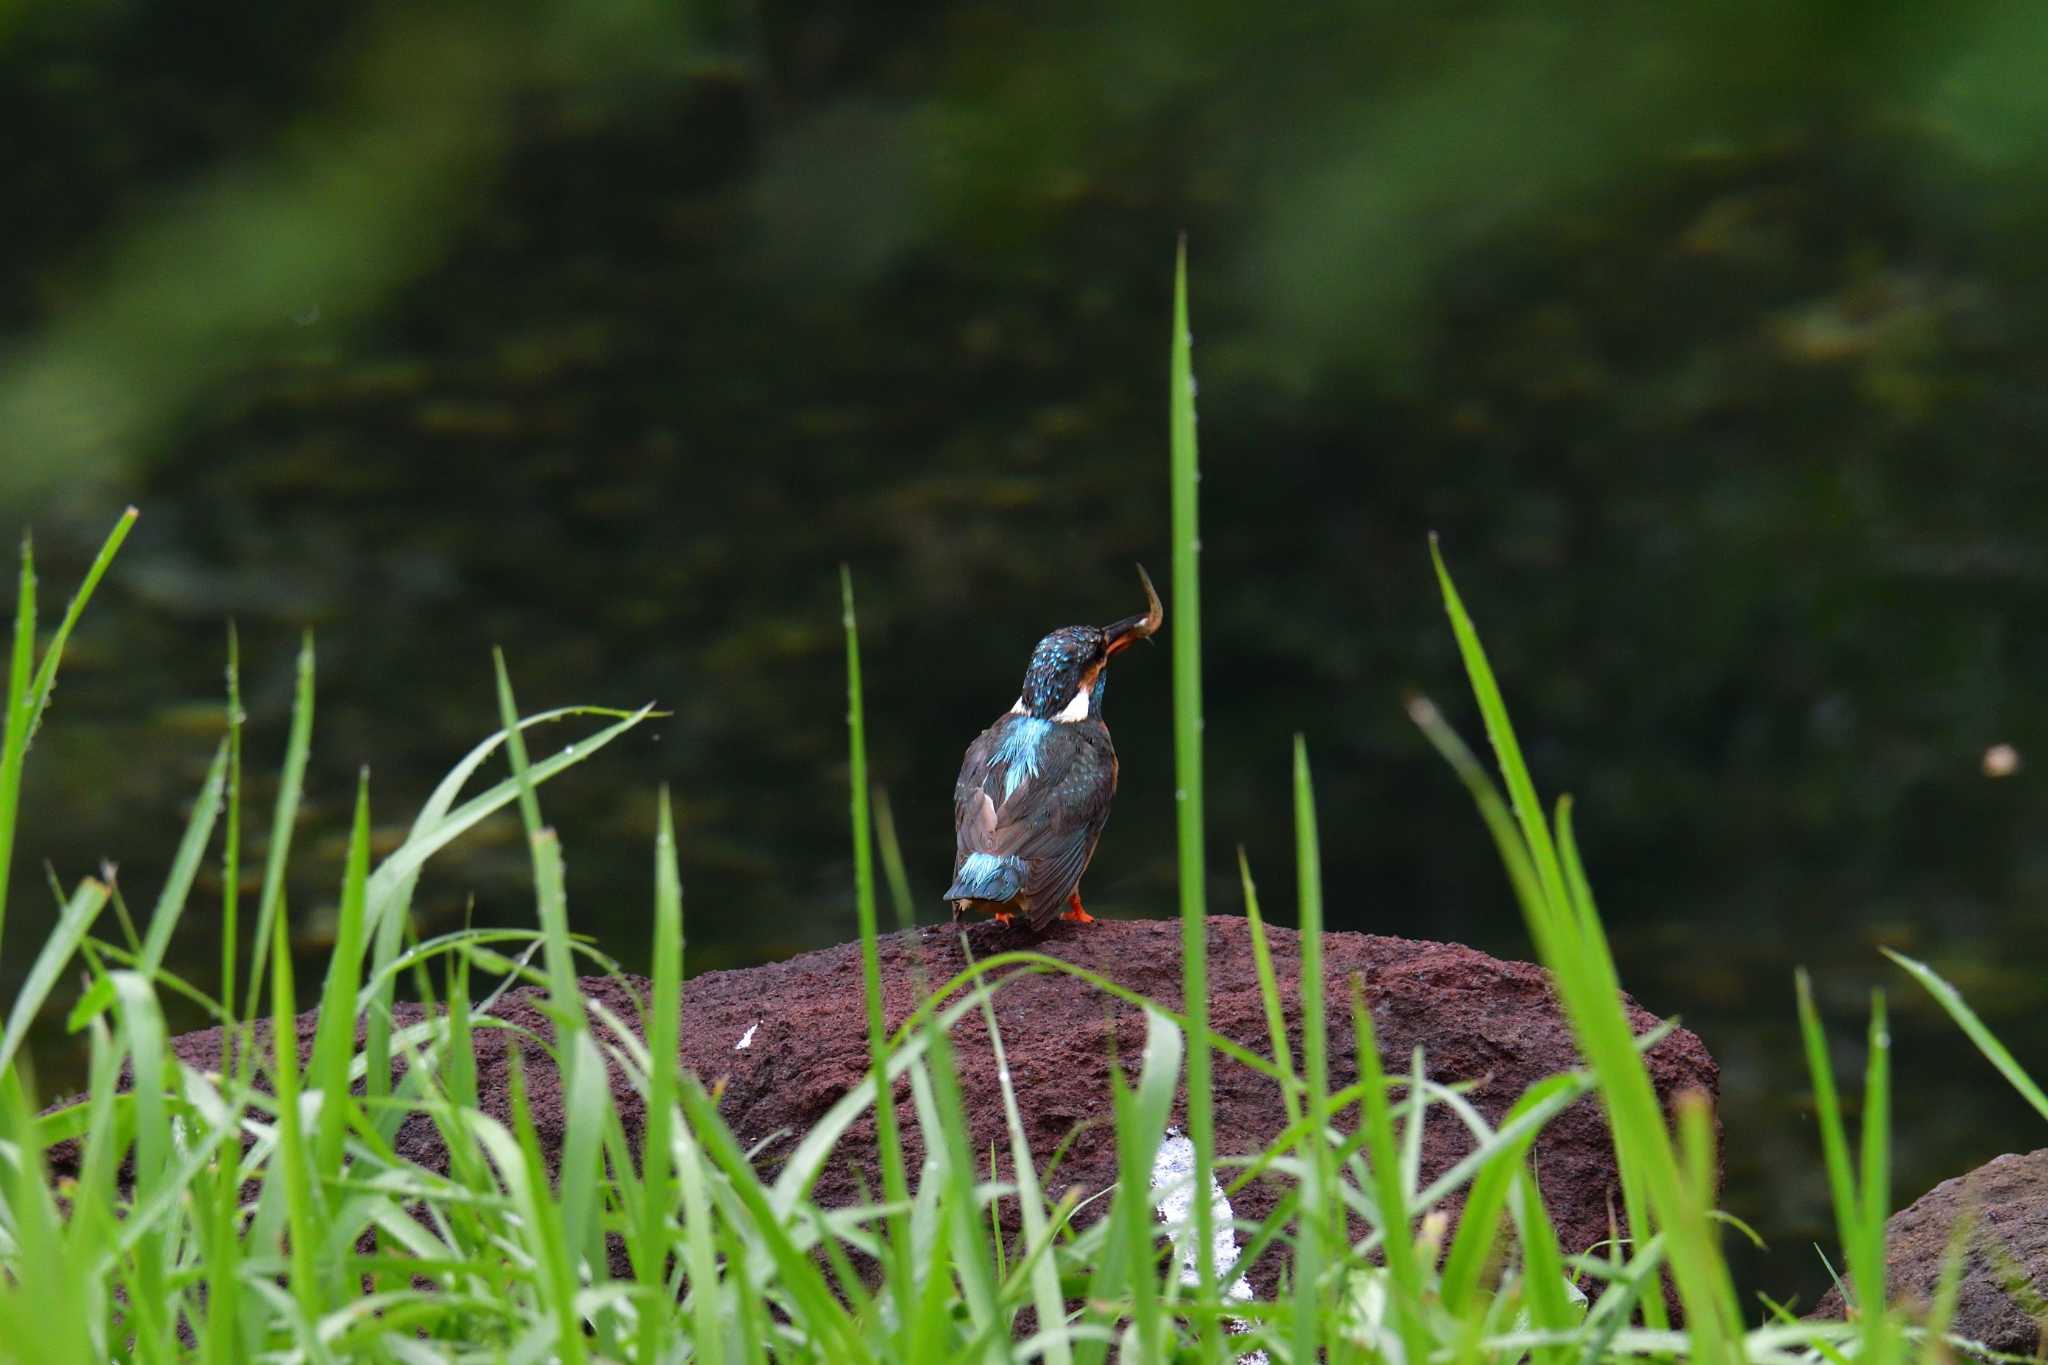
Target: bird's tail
[(987, 877)]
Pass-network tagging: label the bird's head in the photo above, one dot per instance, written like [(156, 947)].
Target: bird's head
[(1066, 676)]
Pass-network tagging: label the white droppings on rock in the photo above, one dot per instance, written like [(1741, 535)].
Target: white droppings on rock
[(746, 1039), (1173, 1196)]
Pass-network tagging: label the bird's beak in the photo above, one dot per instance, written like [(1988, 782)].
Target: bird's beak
[(1133, 628)]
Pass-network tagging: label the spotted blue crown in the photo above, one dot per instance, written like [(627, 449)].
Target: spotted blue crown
[(1056, 668)]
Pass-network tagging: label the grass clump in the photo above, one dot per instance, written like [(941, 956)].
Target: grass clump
[(261, 1212)]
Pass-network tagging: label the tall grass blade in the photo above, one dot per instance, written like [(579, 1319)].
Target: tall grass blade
[(947, 1134), (1130, 1270), (893, 871), (292, 1165), (708, 1294), (662, 1027), (284, 817), (1044, 1277), (1834, 1137), (46, 672), (1876, 1174), (516, 1153), (1543, 1279), (142, 1027), (574, 1220), (29, 684), (809, 1299), (1269, 994), (1507, 750), (43, 1298), (1562, 928), (334, 1038), (231, 838), (1383, 1158), (72, 923), (895, 1184), (1995, 1052), (1317, 1239), (170, 905), (551, 896), (19, 718), (1476, 1243), (1187, 762), (440, 822)]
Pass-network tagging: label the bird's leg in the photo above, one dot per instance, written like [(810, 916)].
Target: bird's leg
[(1003, 917), (1074, 912)]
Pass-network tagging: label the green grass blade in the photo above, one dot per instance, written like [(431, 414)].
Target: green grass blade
[(1995, 1052), (809, 1298), (1476, 1243), (1397, 1238), (1187, 762), (586, 1098), (440, 822), (947, 1133), (1318, 1239), (1876, 1178), (663, 1024), (515, 747), (517, 1155), (42, 1298), (893, 871), (895, 1184), (1543, 1278), (20, 716), (1948, 1286), (1493, 709), (334, 1038), (1500, 821), (29, 685), (1599, 962), (1561, 928), (170, 905), (46, 672), (231, 845), (72, 924), (1130, 1271), (1269, 994), (700, 1252), (1834, 1136), (1046, 1297), (284, 817), (142, 1027), (292, 1162), (551, 894)]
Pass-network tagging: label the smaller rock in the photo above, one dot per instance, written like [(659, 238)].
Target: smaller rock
[(2007, 1200)]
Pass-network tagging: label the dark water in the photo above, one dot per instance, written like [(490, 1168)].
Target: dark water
[(1720, 381)]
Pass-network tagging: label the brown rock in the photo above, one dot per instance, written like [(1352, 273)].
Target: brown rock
[(1476, 1019), (2006, 1200)]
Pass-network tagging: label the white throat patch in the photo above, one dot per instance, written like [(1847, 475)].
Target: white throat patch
[(1077, 709)]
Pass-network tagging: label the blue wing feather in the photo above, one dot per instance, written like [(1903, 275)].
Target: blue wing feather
[(1029, 805)]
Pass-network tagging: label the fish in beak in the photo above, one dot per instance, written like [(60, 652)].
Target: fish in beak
[(1134, 628)]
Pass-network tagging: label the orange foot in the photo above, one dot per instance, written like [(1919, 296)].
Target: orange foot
[(1003, 917), (1074, 912)]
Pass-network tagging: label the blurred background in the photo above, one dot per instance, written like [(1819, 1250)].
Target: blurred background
[(1711, 339)]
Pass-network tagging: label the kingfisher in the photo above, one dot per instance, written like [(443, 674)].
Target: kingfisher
[(1035, 787)]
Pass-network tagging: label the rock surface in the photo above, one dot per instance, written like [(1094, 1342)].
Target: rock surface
[(789, 1039), (2007, 1200)]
